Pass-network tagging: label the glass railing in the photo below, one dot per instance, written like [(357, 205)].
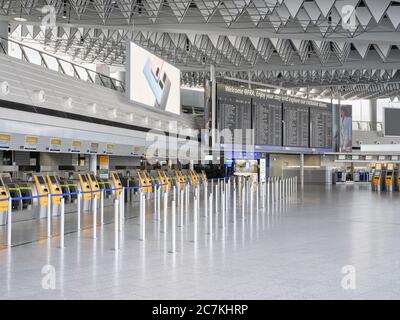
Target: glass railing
[(32, 55), (367, 126)]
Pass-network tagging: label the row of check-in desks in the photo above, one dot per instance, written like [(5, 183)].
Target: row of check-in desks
[(26, 205), (30, 197)]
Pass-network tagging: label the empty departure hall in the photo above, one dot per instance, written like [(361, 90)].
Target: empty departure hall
[(188, 151)]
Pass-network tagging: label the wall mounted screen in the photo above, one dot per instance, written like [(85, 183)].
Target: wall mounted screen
[(296, 128), (234, 112), (392, 120), (153, 81), (267, 122), (321, 131)]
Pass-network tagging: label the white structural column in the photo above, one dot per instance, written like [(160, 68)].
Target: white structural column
[(93, 163), (302, 170), (4, 35)]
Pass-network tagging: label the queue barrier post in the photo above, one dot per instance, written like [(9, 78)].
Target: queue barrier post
[(102, 207), (9, 223), (142, 218), (173, 228), (116, 227), (165, 212), (94, 210), (79, 210), (49, 216), (62, 222), (210, 216)]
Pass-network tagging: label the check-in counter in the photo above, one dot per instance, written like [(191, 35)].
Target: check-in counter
[(86, 190), (42, 190), (389, 177), (377, 178), (4, 203)]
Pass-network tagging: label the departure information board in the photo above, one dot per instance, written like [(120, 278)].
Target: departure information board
[(234, 112), (296, 127), (321, 130), (267, 122)]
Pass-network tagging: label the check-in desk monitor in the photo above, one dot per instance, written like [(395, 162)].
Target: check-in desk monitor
[(144, 182), (3, 195), (94, 185), (85, 186), (42, 189), (117, 184), (55, 188), (389, 180)]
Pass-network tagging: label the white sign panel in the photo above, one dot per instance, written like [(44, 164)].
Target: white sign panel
[(152, 81)]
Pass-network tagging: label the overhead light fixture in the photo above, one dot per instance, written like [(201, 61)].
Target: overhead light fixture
[(67, 103), (20, 19), (92, 108), (4, 88), (39, 96), (112, 113)]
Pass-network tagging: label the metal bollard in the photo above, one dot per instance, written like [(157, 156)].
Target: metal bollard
[(216, 197), (120, 212), (155, 199), (243, 200), (94, 210), (142, 218), (205, 199), (165, 212), (251, 198), (49, 216), (173, 228), (79, 211), (187, 199), (116, 227), (102, 207), (9, 223), (210, 216), (195, 219), (62, 222), (181, 208), (234, 203), (159, 204), (223, 206)]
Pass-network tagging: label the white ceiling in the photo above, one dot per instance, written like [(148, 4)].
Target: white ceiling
[(293, 44)]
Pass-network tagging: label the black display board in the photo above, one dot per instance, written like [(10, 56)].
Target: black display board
[(267, 122), (391, 124), (321, 131), (234, 112), (296, 125)]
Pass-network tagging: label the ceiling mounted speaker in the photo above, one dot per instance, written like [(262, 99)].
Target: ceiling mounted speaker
[(92, 108), (39, 96), (67, 103), (4, 88), (112, 113)]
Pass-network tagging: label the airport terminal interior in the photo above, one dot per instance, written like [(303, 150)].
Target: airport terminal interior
[(198, 149)]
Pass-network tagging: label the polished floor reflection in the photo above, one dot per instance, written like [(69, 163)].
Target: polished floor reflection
[(338, 242)]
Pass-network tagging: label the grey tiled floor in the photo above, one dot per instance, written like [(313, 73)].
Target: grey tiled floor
[(295, 250)]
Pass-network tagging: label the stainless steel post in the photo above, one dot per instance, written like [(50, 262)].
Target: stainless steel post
[(79, 210), (48, 215), (9, 223), (62, 222), (116, 223), (210, 216), (94, 212), (102, 207), (173, 227), (165, 219)]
